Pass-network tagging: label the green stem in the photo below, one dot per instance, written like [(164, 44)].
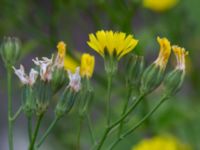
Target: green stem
[(79, 132), (103, 138), (124, 110), (109, 98), (91, 129), (31, 147), (139, 123), (108, 129), (29, 119), (48, 131), (10, 121)]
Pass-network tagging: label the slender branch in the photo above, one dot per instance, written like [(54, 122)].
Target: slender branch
[(90, 129), (31, 147), (113, 125), (13, 118), (10, 122), (42, 139), (139, 123)]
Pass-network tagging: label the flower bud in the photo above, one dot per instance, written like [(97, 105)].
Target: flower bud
[(66, 102), (86, 95), (10, 50), (134, 69), (153, 75), (173, 82), (174, 79), (87, 65), (58, 79), (43, 96), (28, 100), (151, 78), (69, 95)]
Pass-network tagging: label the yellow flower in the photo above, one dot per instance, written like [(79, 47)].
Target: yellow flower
[(165, 50), (161, 143), (87, 65), (180, 56), (159, 5), (114, 43), (61, 49), (70, 63)]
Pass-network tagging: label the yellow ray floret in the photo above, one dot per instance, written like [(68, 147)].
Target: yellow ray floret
[(117, 43), (70, 63), (61, 49), (180, 54), (165, 51), (161, 143), (87, 65), (159, 5)]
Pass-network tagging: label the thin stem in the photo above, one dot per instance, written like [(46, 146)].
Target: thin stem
[(103, 138), (139, 123), (10, 121), (108, 129), (47, 131), (79, 132), (109, 98), (91, 129), (29, 119), (35, 133), (13, 118), (124, 110)]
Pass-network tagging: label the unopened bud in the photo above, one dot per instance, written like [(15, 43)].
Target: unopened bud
[(134, 69), (28, 100), (58, 79), (173, 82), (151, 78), (66, 102), (43, 96), (10, 50), (86, 96)]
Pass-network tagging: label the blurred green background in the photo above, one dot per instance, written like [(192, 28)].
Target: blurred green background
[(40, 24)]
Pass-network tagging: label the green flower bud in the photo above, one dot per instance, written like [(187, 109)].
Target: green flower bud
[(66, 102), (10, 50), (58, 79), (28, 100), (86, 96), (134, 69), (151, 78), (43, 96), (173, 82)]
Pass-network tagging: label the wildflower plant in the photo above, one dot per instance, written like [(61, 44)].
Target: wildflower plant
[(71, 84)]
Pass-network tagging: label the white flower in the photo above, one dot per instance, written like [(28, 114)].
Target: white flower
[(26, 80), (74, 80), (45, 67)]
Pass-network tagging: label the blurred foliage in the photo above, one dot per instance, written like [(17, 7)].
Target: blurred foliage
[(41, 23)]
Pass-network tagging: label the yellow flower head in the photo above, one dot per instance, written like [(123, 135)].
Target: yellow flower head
[(114, 43), (159, 5), (70, 63), (87, 65), (61, 49), (180, 56), (161, 143), (165, 50)]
